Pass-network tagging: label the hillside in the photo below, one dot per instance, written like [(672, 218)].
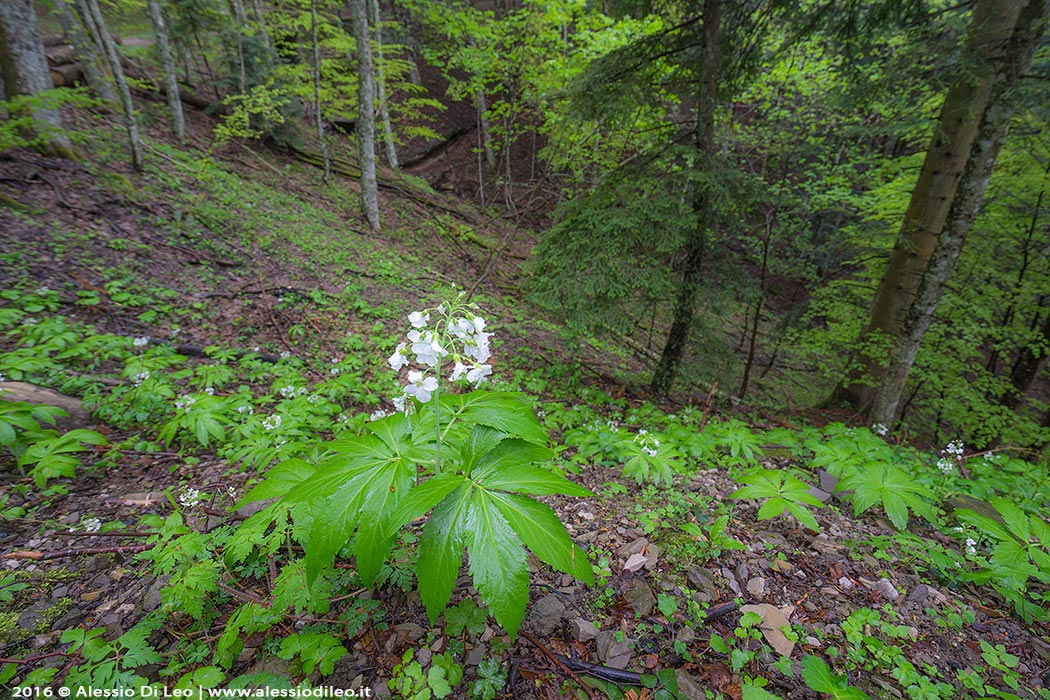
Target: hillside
[(191, 304)]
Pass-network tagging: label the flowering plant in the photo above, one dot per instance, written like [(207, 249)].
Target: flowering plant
[(472, 461)]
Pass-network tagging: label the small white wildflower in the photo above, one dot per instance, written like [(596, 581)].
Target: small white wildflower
[(478, 374), (421, 386), (457, 372), (971, 546), (189, 497), (185, 403), (426, 347), (41, 291), (141, 377), (418, 319), (333, 371), (879, 429), (140, 342), (29, 321), (257, 348), (649, 451), (378, 414), (209, 391), (402, 404), (272, 422), (958, 528), (91, 524), (313, 399), (245, 409), (287, 391), (231, 491), (945, 465), (285, 354), (302, 391)]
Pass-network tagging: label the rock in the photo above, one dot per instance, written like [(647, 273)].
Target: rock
[(782, 567), (640, 597), (585, 514), (827, 481), (634, 562), (771, 539), (613, 653), (918, 594), (703, 581), (583, 630), (91, 596), (757, 587), (546, 615), (476, 655), (636, 546), (34, 614), (409, 632), (686, 635), (845, 583), (688, 687), (734, 585), (773, 620), (886, 588), (423, 656), (652, 555), (819, 494)]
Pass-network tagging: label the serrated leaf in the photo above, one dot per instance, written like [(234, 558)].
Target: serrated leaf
[(1016, 520), (508, 412), (279, 481), (772, 508), (441, 551), (817, 675), (804, 517), (754, 692), (497, 562), (542, 532)]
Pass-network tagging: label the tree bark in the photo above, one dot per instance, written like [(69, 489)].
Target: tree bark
[(321, 142), (366, 123), (944, 202), (90, 13), (1030, 363), (384, 113), (696, 247), (178, 120), (24, 70), (87, 54)]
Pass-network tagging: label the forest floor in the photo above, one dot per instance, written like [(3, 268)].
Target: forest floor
[(184, 257)]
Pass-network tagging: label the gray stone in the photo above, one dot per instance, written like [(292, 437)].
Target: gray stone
[(652, 555), (476, 655), (423, 656), (546, 615), (583, 630), (640, 597), (689, 688), (918, 594), (686, 635), (32, 616), (634, 547), (409, 632), (702, 580), (613, 653), (634, 562), (757, 587), (819, 494), (886, 588)]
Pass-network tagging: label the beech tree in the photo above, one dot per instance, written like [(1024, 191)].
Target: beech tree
[(24, 70), (971, 128), (171, 84), (366, 122)]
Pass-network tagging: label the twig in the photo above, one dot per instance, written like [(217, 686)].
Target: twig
[(63, 533), (557, 660), (44, 556)]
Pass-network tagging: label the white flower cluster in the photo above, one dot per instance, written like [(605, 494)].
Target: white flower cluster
[(971, 546), (272, 422), (647, 442), (140, 342), (951, 456), (245, 409), (290, 392), (185, 403), (91, 524), (458, 334), (378, 414), (141, 377), (189, 497), (879, 429)]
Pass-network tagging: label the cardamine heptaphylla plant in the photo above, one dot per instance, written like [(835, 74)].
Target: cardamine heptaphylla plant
[(472, 461)]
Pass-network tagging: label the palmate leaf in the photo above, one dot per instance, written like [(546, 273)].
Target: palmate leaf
[(539, 527), (505, 411), (497, 562), (891, 486), (441, 550)]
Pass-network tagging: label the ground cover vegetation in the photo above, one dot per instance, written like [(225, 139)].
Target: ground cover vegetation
[(543, 349)]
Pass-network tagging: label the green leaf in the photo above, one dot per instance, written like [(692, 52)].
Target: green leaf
[(817, 675), (279, 481), (508, 412), (1016, 520), (772, 508), (542, 532), (754, 692), (497, 562), (441, 550), (803, 515)]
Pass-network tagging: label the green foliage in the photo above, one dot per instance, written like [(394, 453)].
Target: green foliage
[(818, 676), (314, 650), (891, 487), (52, 454), (491, 679), (781, 492), (22, 127)]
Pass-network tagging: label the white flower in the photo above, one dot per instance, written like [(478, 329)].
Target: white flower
[(427, 348), (398, 359), (945, 465), (458, 371), (29, 321), (189, 497), (649, 451), (272, 422), (141, 377), (91, 524), (879, 429), (418, 319), (478, 374), (378, 414), (209, 391), (971, 547), (245, 409), (185, 403), (140, 342), (334, 371), (285, 354), (231, 491), (402, 404), (421, 386)]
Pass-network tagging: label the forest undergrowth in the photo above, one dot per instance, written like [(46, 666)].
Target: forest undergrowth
[(293, 430)]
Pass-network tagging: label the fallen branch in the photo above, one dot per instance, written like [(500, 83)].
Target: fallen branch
[(44, 556), (560, 661)]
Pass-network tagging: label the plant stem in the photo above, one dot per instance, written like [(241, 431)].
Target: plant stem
[(437, 417)]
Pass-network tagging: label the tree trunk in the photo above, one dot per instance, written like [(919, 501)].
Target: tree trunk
[(24, 70), (366, 122), (696, 247), (321, 142), (87, 54), (178, 121), (384, 113), (92, 16), (1029, 365), (944, 202), (241, 25)]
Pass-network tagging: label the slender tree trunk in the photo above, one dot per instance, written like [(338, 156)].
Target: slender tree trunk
[(486, 133), (366, 123), (752, 347), (178, 121), (1029, 364), (1007, 36), (321, 142), (260, 17), (24, 70), (87, 53), (241, 24), (384, 113), (90, 11), (696, 247)]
